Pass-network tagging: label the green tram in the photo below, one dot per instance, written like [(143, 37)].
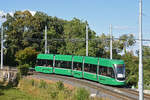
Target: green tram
[(104, 71)]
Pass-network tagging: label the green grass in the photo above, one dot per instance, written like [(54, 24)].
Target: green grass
[(9, 93), (36, 89)]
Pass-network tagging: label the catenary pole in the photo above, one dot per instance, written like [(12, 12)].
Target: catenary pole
[(110, 41), (2, 47), (140, 83), (45, 39), (86, 40)]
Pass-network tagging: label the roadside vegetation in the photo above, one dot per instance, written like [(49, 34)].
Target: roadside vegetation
[(36, 89), (24, 39), (11, 93)]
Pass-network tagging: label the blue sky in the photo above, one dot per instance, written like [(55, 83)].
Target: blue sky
[(122, 14)]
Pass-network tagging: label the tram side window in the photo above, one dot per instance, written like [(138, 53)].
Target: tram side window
[(90, 68), (106, 71), (44, 63), (93, 69), (77, 66), (41, 62), (103, 70), (63, 64), (86, 67), (57, 63), (49, 63), (38, 62), (111, 72)]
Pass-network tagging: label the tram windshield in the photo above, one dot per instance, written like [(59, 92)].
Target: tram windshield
[(120, 72)]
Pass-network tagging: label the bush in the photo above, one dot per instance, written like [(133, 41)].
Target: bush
[(81, 94), (23, 69), (60, 85)]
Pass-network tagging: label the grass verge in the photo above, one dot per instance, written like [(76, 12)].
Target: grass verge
[(36, 89), (10, 93)]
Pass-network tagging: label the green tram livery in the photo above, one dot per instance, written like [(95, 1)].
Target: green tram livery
[(104, 71)]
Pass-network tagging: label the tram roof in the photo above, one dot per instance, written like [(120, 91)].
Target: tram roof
[(87, 59), (45, 56)]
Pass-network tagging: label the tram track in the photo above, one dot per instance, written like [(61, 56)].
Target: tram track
[(119, 93), (131, 91)]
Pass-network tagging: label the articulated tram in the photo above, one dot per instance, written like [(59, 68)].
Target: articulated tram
[(104, 71)]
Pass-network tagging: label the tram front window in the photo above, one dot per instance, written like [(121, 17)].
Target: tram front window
[(120, 72)]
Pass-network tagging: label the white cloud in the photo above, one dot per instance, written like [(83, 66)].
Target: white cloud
[(146, 43), (1, 15), (12, 13), (123, 27), (32, 12)]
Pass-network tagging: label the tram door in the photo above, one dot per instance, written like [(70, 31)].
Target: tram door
[(77, 69), (106, 74), (102, 74)]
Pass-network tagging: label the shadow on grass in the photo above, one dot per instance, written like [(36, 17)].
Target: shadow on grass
[(2, 88), (1, 93), (5, 87)]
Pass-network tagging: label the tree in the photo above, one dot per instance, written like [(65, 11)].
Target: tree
[(126, 41), (55, 31), (23, 30), (26, 56), (75, 30), (131, 63), (146, 66), (102, 47)]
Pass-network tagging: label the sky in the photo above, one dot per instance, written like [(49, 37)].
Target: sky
[(122, 14)]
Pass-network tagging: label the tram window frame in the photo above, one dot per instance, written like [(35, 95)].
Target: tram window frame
[(106, 71), (77, 66), (91, 68), (63, 64)]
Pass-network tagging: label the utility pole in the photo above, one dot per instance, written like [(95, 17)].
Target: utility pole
[(110, 41), (140, 83), (86, 40), (45, 39), (2, 47)]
